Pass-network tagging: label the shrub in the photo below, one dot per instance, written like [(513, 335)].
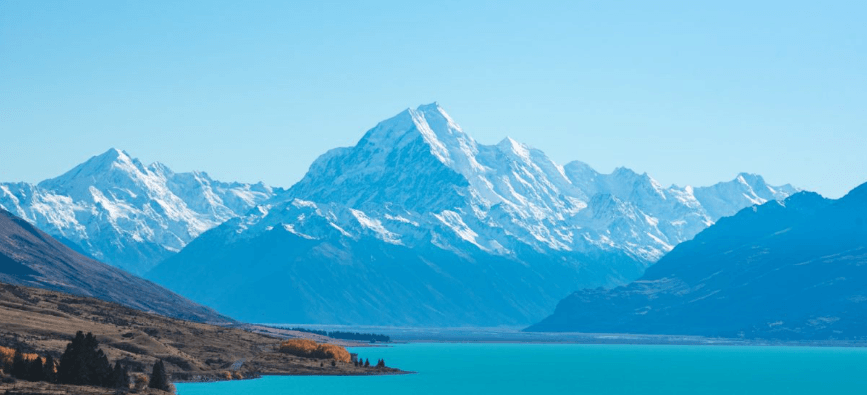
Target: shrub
[(311, 349), (140, 381)]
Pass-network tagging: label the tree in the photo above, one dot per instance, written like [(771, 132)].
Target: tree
[(49, 374), (119, 376), (333, 363), (366, 363), (158, 377), (83, 363), (380, 363), (19, 365), (35, 371)]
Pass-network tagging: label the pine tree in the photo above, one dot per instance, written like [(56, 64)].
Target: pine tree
[(35, 371), (366, 363), (158, 377), (119, 376), (49, 374), (72, 369), (380, 363), (83, 363), (19, 365)]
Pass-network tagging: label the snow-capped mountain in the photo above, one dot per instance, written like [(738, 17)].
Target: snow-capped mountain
[(121, 212), (792, 270), (417, 190), (420, 171)]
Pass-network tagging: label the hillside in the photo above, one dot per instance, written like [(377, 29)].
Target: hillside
[(43, 322), (793, 270), (30, 257)]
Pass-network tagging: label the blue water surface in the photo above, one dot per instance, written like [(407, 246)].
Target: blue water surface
[(497, 368)]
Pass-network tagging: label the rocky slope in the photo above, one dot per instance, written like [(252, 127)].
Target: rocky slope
[(420, 224), (30, 257), (117, 210), (795, 269)]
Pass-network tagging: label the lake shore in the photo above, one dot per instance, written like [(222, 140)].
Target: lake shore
[(516, 335)]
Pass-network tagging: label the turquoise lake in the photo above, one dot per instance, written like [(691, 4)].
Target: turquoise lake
[(497, 368)]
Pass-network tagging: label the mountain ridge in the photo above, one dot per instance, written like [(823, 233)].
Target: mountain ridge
[(33, 258), (114, 208), (791, 270), (417, 189)]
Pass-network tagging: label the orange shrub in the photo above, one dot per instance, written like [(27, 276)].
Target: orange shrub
[(311, 349), (7, 354)]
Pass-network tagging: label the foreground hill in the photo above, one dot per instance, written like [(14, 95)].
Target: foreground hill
[(419, 224), (795, 270), (124, 213), (30, 257), (43, 322)]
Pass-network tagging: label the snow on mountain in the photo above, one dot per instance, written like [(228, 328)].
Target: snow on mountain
[(420, 212), (117, 210), (422, 167)]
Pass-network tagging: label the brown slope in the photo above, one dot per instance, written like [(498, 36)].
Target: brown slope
[(31, 257), (40, 321)]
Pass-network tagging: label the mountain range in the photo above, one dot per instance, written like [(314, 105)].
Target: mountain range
[(32, 258), (119, 211), (419, 224), (792, 270)]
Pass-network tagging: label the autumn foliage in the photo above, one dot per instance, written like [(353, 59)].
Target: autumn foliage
[(7, 354), (311, 349)]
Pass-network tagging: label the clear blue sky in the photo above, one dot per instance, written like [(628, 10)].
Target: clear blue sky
[(690, 92)]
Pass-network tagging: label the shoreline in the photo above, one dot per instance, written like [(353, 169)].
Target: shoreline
[(719, 342)]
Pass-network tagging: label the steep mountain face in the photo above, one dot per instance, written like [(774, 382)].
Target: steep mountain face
[(420, 224), (132, 216), (795, 269), (32, 258)]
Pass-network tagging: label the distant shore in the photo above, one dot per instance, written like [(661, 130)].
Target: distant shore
[(515, 335)]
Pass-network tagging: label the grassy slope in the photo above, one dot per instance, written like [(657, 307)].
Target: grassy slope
[(44, 322)]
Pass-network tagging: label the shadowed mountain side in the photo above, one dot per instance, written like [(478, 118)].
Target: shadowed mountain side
[(282, 277), (32, 258), (786, 270)]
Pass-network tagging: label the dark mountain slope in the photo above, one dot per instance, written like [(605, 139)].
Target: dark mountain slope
[(357, 281), (30, 257), (788, 270)]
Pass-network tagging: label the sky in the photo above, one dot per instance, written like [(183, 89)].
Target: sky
[(690, 92)]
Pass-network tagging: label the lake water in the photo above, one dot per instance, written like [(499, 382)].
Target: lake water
[(496, 368)]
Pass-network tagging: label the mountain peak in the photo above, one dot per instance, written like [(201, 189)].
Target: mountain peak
[(430, 108), (93, 168), (750, 179)]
